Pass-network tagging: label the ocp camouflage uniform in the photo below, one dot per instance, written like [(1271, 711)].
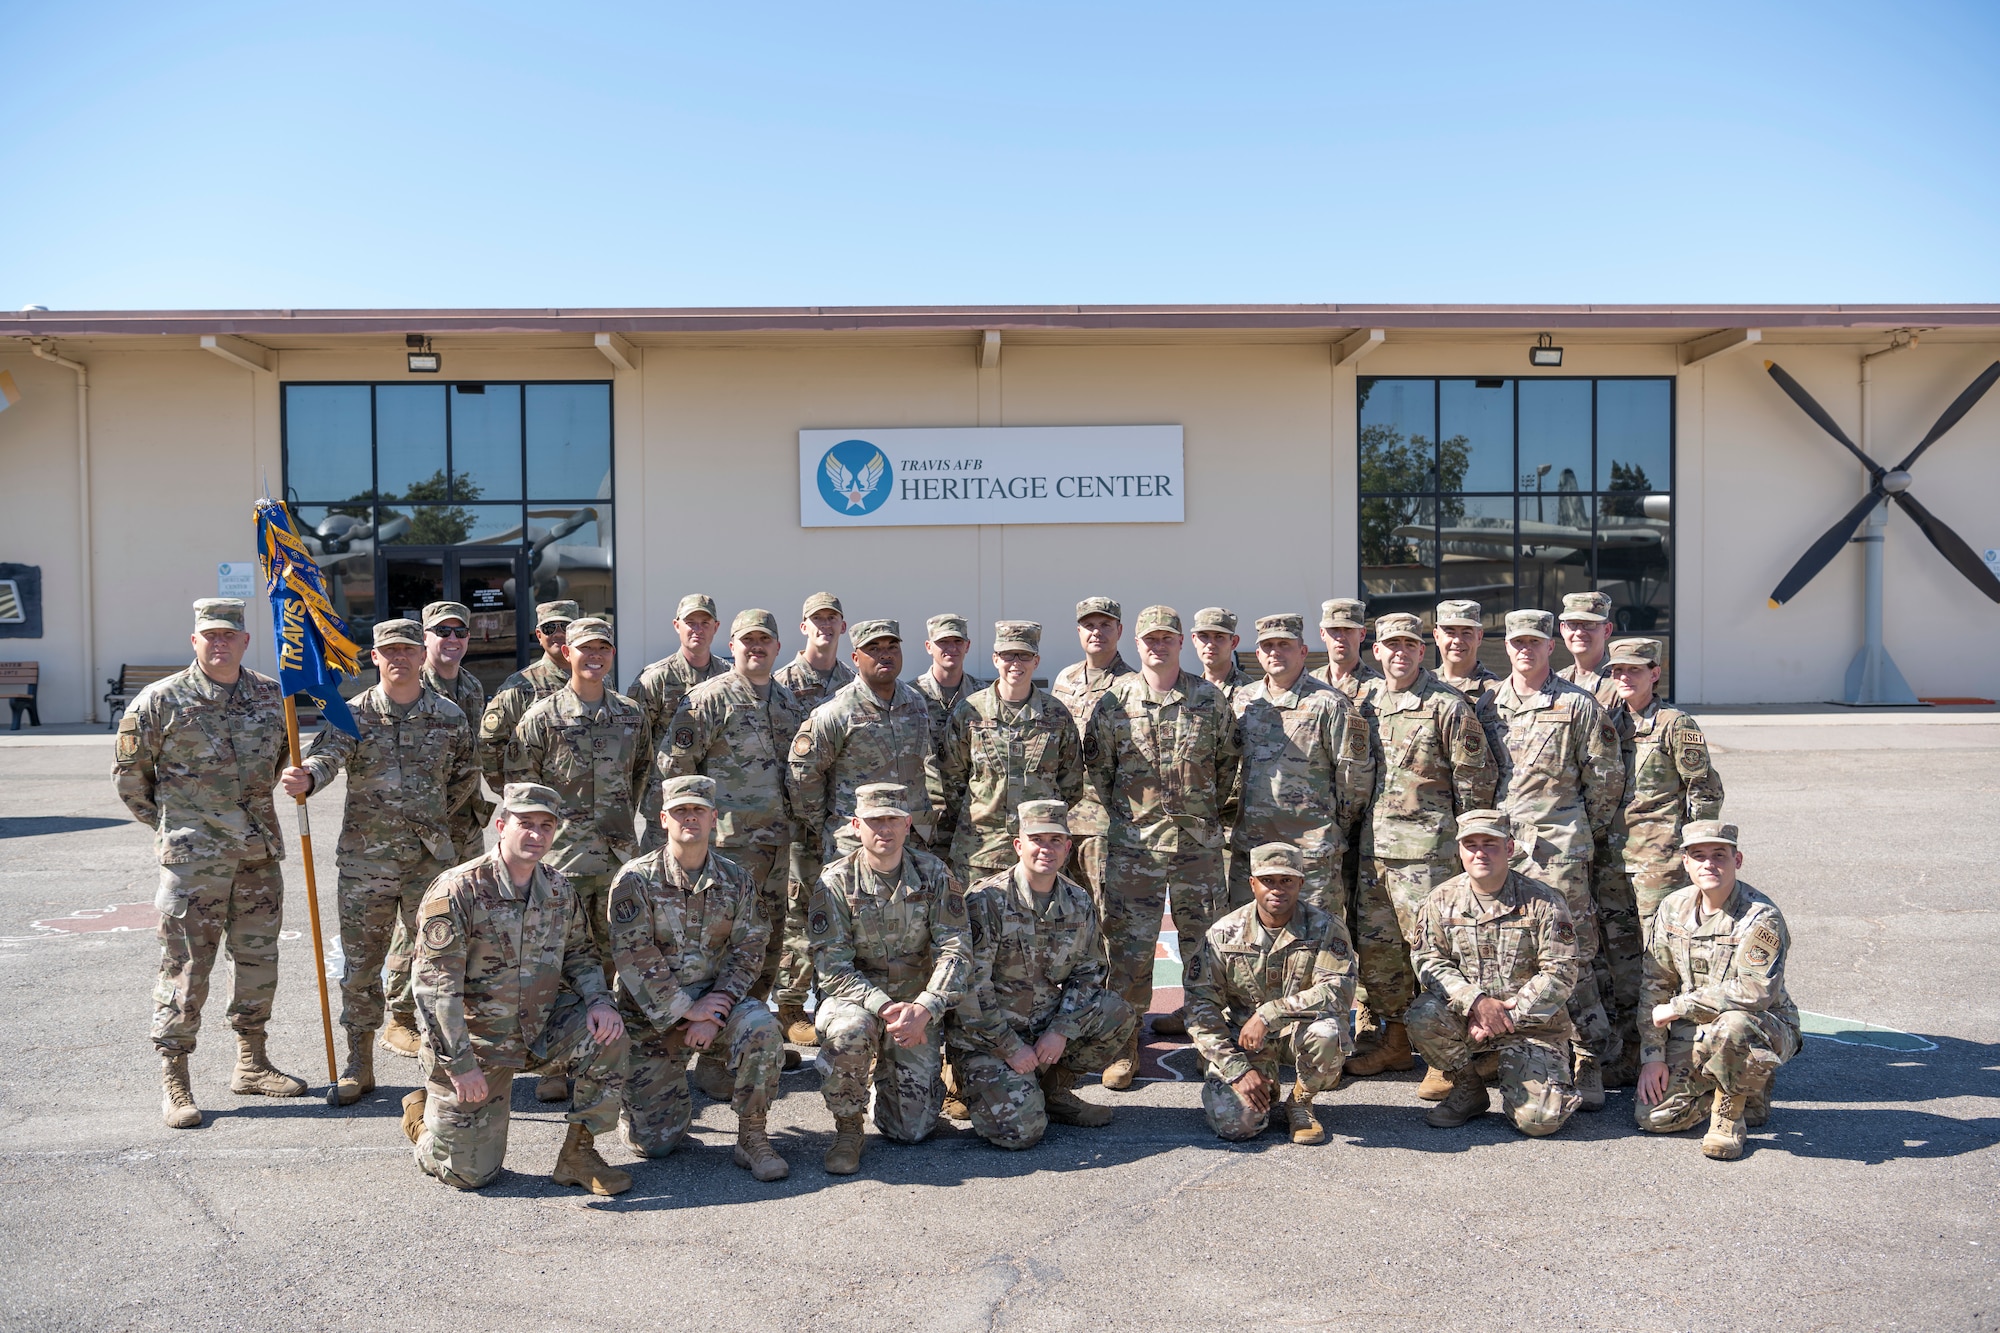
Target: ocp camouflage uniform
[(1237, 679), (1035, 970), (726, 732), (1162, 764), (676, 937), (1431, 762), (1078, 688), (810, 687), (1354, 686), (993, 756), (659, 688), (594, 757), (469, 821), (1518, 945), (852, 739), (1300, 981), (505, 978), (408, 774), (942, 701), (879, 940), (1304, 780), (1598, 684), (1476, 686), (1359, 689), (1561, 781), (1734, 1022), (196, 762), (509, 704)]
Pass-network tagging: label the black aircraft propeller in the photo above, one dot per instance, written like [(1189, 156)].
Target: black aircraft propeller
[(1891, 483)]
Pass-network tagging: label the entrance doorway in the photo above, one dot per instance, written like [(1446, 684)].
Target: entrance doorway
[(485, 578)]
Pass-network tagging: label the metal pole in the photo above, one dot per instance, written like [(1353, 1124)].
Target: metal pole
[(1872, 677)]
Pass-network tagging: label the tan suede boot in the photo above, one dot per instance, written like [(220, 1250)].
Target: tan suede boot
[(1170, 1025), (798, 1025), (844, 1157), (1590, 1085), (712, 1076), (1064, 1107), (1393, 1053), (357, 1075), (256, 1075), (1468, 1100), (1436, 1085), (400, 1036), (177, 1106), (413, 1113), (1118, 1075), (1306, 1127), (754, 1151), (1724, 1140), (579, 1164), (552, 1086)]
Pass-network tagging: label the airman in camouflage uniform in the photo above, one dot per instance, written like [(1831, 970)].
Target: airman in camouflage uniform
[(469, 821), (508, 981), (1431, 761), (1458, 629), (891, 944), (1042, 1013), (1163, 763), (525, 688), (1215, 644), (1561, 781), (1586, 627), (198, 754), (1343, 627), (947, 640), (659, 687), (1078, 687), (688, 941), (1270, 984), (409, 771), (998, 753), (1717, 1020), (1496, 952)]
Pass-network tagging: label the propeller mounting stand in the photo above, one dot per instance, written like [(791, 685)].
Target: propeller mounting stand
[(1873, 680)]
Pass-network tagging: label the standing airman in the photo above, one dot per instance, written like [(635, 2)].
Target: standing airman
[(525, 688), (1100, 624), (659, 687), (1586, 629)]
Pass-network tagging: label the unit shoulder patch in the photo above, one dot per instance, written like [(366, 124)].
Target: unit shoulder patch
[(439, 933)]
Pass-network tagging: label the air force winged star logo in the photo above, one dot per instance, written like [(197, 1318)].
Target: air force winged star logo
[(853, 487)]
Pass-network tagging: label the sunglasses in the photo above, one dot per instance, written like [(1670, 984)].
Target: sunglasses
[(451, 631)]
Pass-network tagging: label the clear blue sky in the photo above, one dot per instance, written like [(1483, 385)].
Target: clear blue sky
[(437, 154)]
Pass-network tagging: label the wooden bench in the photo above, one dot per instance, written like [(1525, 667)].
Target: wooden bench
[(19, 683), (130, 680)]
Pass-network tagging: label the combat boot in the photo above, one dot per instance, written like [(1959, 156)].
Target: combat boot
[(1590, 1085), (1170, 1025), (177, 1106), (413, 1113), (798, 1025), (357, 1075), (1393, 1053), (1063, 1106), (552, 1086), (400, 1037), (1306, 1127), (1436, 1085), (579, 1164), (1468, 1100), (256, 1075), (1118, 1075), (954, 1107), (1724, 1140), (844, 1157), (712, 1076), (754, 1151)]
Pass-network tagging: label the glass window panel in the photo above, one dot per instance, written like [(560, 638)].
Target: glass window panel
[(569, 441), (327, 442), (1635, 435), (1555, 435), (1477, 560), (486, 586), (451, 525), (1555, 549), (486, 441), (341, 540), (1398, 554), (1634, 568), (570, 554), (1398, 425), (409, 442), (1476, 435), (413, 584)]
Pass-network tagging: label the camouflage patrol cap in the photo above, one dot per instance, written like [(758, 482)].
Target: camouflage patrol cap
[(218, 613), (1157, 618), (1490, 822), (1634, 652), (590, 629), (755, 619), (520, 798), (1700, 831), (1218, 618), (1398, 625), (693, 602), (1465, 614), (1044, 817), (1343, 613), (1284, 625), (821, 601), (868, 631), (1277, 858), (946, 626), (1592, 606), (688, 789), (1530, 625), (1100, 606), (877, 800), (439, 612), (1017, 636), (556, 613), (399, 631)]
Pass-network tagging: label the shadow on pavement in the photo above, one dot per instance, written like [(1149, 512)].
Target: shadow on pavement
[(36, 826)]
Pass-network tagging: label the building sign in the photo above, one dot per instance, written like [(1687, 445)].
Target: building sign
[(907, 477), (236, 578)]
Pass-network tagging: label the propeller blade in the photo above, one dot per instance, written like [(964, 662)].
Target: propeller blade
[(1797, 393), (1952, 546), (1959, 407), (1826, 548)]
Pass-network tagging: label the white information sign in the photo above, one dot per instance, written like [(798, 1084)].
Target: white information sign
[(236, 578), (906, 477)]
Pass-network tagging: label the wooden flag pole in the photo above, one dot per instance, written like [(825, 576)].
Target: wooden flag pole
[(312, 903)]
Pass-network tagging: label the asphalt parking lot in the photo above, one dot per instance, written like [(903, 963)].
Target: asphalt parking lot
[(1868, 1201)]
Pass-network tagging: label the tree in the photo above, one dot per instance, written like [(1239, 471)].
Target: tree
[(434, 522)]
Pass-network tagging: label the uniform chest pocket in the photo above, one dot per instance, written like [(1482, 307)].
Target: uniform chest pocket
[(1652, 770), (1033, 747), (1516, 957), (570, 753), (989, 745), (716, 929), (1301, 735), (1539, 748)]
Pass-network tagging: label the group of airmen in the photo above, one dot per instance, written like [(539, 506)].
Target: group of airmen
[(1523, 879)]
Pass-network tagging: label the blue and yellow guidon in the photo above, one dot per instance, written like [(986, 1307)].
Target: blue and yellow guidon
[(854, 478)]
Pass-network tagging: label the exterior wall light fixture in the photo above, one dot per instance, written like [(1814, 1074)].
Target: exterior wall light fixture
[(423, 361), (1543, 353)]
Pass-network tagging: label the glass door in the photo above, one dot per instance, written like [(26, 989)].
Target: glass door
[(485, 579)]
